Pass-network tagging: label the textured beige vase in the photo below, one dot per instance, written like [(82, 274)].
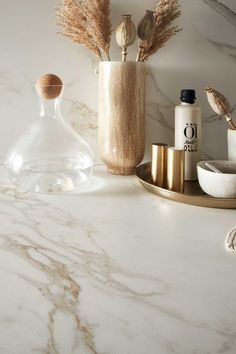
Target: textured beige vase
[(122, 115)]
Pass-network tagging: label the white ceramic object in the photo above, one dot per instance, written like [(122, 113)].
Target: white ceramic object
[(220, 185), (188, 136), (231, 145)]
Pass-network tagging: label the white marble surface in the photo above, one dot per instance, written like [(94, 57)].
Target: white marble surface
[(114, 271)]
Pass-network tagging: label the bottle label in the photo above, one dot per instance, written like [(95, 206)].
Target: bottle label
[(191, 136)]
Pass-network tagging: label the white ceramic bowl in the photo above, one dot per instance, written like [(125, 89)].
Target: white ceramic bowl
[(220, 185)]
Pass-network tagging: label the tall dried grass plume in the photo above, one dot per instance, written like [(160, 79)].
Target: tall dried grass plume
[(88, 23)]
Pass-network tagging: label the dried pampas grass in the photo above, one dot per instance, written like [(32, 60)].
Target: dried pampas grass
[(87, 23), (166, 12)]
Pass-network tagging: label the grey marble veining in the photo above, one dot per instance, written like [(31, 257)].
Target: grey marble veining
[(77, 281), (223, 10), (227, 48), (115, 270)]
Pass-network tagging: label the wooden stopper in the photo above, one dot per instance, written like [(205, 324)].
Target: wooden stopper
[(49, 86)]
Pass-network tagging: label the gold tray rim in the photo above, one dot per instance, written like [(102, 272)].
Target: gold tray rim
[(202, 200)]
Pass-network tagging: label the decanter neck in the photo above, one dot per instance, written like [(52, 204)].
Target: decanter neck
[(50, 108)]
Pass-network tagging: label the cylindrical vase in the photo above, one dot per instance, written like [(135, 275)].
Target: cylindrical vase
[(122, 115)]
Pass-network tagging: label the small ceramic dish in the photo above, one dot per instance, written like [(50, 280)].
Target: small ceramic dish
[(219, 185)]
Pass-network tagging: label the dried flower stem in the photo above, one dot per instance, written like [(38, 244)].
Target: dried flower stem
[(229, 119), (166, 12), (220, 105), (125, 34), (145, 30)]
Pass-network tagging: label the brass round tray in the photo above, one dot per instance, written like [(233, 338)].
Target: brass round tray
[(192, 195)]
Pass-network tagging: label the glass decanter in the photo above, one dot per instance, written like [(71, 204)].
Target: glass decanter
[(51, 157)]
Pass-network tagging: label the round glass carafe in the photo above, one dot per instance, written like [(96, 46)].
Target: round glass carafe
[(50, 157)]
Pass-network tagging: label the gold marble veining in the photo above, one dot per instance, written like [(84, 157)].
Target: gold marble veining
[(122, 115)]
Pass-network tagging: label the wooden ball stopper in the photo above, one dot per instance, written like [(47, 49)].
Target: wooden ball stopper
[(49, 86)]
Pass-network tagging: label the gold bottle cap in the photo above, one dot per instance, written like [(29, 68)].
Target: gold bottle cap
[(159, 164), (175, 169)]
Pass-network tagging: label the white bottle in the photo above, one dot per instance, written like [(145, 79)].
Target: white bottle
[(188, 132)]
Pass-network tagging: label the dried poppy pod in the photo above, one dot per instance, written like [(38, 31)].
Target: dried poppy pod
[(125, 34), (49, 86), (220, 105), (217, 101), (145, 29), (146, 26)]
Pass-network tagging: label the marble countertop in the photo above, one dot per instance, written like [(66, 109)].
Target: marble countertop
[(115, 270)]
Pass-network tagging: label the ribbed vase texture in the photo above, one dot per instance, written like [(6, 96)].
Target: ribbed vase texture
[(122, 115)]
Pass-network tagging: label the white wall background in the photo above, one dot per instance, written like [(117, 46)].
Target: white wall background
[(204, 53)]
